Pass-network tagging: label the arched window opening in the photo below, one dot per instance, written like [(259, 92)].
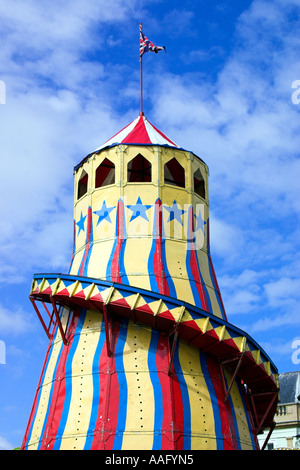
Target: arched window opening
[(82, 185), (174, 173), (105, 173), (199, 184), (139, 170)]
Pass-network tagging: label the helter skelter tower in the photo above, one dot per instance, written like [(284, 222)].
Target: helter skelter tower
[(141, 354)]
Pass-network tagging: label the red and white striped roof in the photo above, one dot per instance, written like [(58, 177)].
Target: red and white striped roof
[(139, 131)]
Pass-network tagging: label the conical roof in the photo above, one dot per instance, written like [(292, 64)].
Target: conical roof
[(139, 131)]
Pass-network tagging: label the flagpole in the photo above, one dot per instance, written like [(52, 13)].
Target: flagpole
[(146, 46), (141, 78), (141, 112)]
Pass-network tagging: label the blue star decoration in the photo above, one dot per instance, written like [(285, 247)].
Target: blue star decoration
[(103, 213), (199, 221), (80, 223), (175, 212), (139, 210)]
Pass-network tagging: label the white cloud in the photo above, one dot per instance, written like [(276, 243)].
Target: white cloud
[(14, 321), (242, 293), (279, 347), (283, 292), (48, 42), (241, 301), (5, 444), (276, 321), (225, 239)]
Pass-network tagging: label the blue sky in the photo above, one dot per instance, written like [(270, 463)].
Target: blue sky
[(223, 90)]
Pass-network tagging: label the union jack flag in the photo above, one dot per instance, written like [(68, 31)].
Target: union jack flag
[(148, 46)]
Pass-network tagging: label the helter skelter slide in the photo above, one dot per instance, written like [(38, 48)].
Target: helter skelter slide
[(141, 354)]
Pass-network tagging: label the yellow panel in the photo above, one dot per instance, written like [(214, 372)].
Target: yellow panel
[(45, 390), (142, 281), (176, 261), (76, 262), (140, 402), (155, 306), (226, 335), (82, 378), (176, 258), (177, 313), (103, 229), (75, 442), (220, 331), (186, 317), (44, 285), (139, 228), (148, 193), (183, 290), (137, 441), (106, 294), (116, 295), (204, 268), (136, 258), (240, 416), (98, 262), (203, 324), (240, 343), (34, 285), (64, 317), (169, 193), (81, 209), (202, 416), (42, 408)]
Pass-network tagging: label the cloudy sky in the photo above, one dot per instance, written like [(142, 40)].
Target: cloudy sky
[(226, 90)]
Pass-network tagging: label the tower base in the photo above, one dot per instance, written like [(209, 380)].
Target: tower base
[(128, 370)]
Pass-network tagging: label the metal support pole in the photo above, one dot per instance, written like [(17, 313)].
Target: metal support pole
[(268, 436), (240, 359), (50, 316), (253, 409), (51, 322), (40, 317), (58, 321), (141, 67), (141, 70), (266, 413)]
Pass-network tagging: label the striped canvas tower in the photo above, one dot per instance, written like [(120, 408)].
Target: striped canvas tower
[(141, 354)]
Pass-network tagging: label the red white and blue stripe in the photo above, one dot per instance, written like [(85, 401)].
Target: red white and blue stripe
[(146, 45)]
